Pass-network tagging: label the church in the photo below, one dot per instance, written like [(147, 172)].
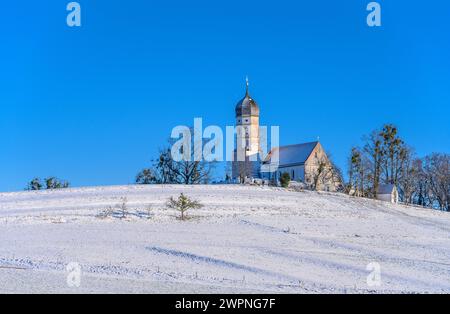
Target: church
[(305, 163)]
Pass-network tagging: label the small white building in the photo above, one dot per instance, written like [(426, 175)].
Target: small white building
[(388, 193)]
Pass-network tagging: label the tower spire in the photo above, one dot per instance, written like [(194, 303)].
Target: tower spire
[(246, 85)]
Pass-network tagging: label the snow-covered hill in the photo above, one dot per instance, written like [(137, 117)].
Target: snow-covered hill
[(245, 239)]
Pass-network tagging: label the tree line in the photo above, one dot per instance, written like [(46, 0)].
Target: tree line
[(165, 170), (50, 183), (385, 158)]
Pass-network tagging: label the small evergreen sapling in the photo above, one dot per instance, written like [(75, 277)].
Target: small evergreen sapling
[(183, 204), (123, 208), (149, 210)]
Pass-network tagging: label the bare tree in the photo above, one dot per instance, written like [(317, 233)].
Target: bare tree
[(146, 176), (409, 174), (421, 185), (373, 151), (183, 172), (358, 173), (324, 174), (168, 171), (243, 169), (385, 158), (437, 171), (318, 173)]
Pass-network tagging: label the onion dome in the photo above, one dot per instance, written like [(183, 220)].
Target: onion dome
[(247, 106)]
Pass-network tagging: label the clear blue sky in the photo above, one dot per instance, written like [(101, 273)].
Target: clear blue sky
[(93, 104)]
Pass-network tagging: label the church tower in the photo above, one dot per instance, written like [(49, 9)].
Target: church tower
[(246, 158), (247, 123)]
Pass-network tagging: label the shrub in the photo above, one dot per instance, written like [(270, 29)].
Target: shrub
[(285, 179), (34, 185), (123, 208), (50, 183), (149, 210), (105, 213), (54, 183)]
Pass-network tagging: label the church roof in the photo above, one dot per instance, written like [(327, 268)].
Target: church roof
[(293, 154), (247, 105), (386, 188)]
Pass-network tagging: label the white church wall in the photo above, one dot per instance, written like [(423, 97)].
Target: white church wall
[(297, 173), (385, 197), (391, 198)]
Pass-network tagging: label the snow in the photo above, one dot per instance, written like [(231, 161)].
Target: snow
[(244, 240)]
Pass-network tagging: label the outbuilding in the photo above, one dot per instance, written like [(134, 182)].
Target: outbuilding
[(388, 193)]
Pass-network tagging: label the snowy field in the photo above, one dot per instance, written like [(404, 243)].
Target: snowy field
[(244, 240)]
